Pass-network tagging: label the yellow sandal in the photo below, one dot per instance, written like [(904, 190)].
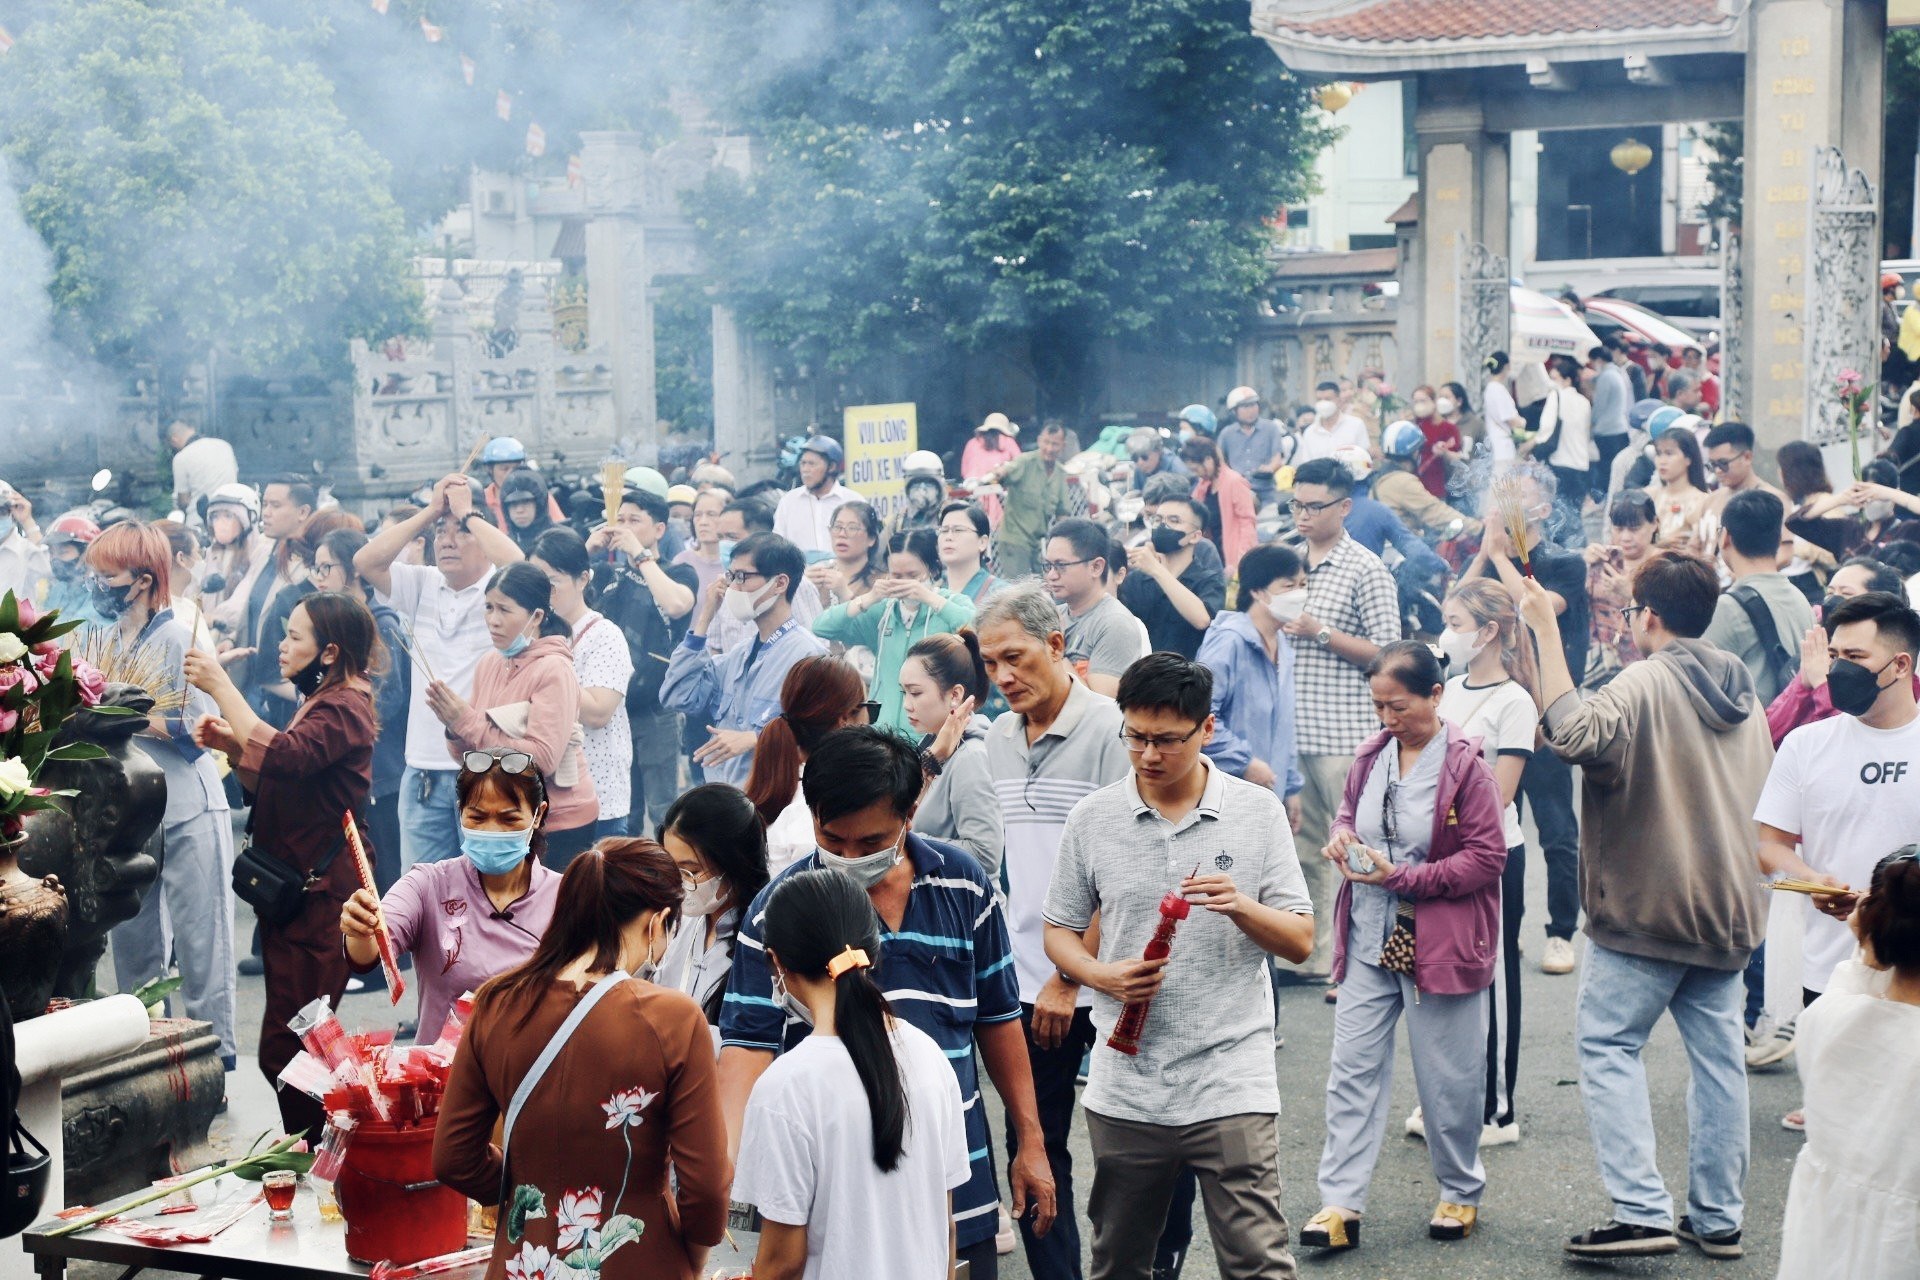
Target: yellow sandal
[(1452, 1221), (1331, 1229)]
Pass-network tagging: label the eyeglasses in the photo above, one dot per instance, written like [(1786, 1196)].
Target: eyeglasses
[(1051, 567), (1722, 465), (1138, 742), (1626, 614), (514, 762), (957, 529), (1304, 508), (846, 528), (741, 577), (1161, 522)]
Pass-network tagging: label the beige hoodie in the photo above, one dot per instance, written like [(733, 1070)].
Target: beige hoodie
[(1674, 752)]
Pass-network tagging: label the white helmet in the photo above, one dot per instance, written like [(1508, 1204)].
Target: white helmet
[(1241, 395), (236, 495), (1355, 459), (922, 462)]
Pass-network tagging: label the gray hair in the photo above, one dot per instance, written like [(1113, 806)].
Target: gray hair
[(1027, 605), (1145, 440), (1679, 381)]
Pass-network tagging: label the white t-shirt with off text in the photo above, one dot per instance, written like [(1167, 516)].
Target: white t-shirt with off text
[(806, 1159), (1852, 795)]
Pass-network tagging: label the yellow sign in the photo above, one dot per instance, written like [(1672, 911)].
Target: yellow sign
[(878, 438)]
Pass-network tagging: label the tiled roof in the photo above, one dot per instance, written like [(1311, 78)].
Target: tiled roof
[(1399, 21)]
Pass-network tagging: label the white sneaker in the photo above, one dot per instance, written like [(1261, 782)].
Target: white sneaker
[(1005, 1238), (1499, 1135), (1417, 1125), (1769, 1042), (1558, 957)]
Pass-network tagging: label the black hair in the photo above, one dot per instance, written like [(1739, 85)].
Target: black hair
[(1088, 540), (920, 542), (1752, 520), (1632, 509), (527, 587), (953, 658), (1117, 558), (1411, 664), (723, 825), (812, 919), (345, 544), (1459, 394), (1890, 614), (1192, 504), (1682, 438), (1328, 385), (1329, 472), (648, 501), (1737, 434), (854, 768), (1564, 365), (1901, 556), (563, 549), (1167, 682), (973, 511), (1682, 588), (1602, 353), (755, 514), (1881, 576), (1260, 568), (1803, 472), (1890, 913), (300, 490), (1495, 362), (772, 555), (1881, 471), (1201, 449)]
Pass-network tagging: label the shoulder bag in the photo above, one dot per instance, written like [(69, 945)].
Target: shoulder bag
[(545, 1060), (274, 888)]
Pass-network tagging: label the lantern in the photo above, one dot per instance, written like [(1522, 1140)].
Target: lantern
[(1334, 95), (1631, 156)]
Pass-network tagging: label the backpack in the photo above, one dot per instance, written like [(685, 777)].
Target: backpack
[(1779, 662), (27, 1168), (628, 603)]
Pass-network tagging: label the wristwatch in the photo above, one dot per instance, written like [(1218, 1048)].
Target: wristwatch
[(1324, 636), (1065, 977)]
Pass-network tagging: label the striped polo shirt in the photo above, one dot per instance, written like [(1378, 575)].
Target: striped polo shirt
[(1038, 784), (946, 969)]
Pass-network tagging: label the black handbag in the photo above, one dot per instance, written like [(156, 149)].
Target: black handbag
[(277, 890)]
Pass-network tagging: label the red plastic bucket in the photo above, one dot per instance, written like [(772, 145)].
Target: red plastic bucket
[(395, 1210)]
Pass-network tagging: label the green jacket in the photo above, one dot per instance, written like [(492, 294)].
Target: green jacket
[(1034, 498), (883, 630)]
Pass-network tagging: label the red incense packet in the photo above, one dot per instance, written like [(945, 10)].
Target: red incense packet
[(389, 963)]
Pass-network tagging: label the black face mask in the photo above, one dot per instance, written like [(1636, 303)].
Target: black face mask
[(1167, 541), (307, 679), (68, 570), (1854, 688), (110, 601), (1828, 605)]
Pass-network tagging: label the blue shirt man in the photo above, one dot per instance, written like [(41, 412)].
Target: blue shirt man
[(945, 964), (737, 694)]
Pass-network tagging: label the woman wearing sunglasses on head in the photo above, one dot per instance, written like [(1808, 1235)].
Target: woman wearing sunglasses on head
[(819, 695), (526, 698), (474, 917)]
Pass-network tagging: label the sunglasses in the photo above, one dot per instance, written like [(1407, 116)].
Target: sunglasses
[(873, 712), (514, 762)]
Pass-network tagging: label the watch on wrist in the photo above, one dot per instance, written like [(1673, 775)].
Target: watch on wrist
[(1065, 977), (1324, 636)]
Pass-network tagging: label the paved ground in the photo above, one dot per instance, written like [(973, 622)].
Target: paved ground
[(1539, 1192)]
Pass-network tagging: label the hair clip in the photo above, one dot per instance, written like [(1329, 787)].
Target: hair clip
[(852, 958)]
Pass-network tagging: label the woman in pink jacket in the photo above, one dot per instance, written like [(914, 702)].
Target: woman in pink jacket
[(526, 698), (1228, 496), (1420, 842)]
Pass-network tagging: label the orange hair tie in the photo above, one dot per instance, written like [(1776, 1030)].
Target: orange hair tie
[(851, 958)]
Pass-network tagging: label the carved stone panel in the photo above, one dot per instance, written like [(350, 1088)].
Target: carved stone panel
[(1843, 315), (1485, 320)]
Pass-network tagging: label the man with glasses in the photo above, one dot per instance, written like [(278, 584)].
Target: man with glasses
[(1103, 639), (444, 611), (1058, 743), (1729, 458), (1201, 1091), (1353, 608), (1035, 495), (1175, 583), (1147, 449), (739, 520), (734, 697)]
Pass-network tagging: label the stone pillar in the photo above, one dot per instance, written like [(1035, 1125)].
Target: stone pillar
[(536, 353), (453, 348), (1813, 79), (619, 308), (1463, 192), (743, 427)]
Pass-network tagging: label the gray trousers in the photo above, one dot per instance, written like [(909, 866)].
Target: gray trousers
[(656, 770), (1326, 782), (1448, 1038), (188, 917), (1237, 1159)]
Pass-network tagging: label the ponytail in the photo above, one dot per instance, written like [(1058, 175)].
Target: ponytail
[(821, 924), (954, 659), (818, 696)]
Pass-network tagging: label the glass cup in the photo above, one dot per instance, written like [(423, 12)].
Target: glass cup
[(278, 1185)]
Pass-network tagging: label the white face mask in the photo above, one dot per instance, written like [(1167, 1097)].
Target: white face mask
[(741, 605), (1288, 605), (1880, 510), (703, 899), (866, 871), (1460, 648), (1444, 405), (789, 1002), (1326, 409)]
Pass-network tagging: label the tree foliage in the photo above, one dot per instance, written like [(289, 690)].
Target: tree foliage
[(197, 188), (1030, 176)]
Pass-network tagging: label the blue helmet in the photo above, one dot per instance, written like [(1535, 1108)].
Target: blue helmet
[(1200, 418), (1402, 440), (503, 449), (826, 446)]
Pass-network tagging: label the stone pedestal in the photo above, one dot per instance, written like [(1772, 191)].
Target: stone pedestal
[(142, 1113)]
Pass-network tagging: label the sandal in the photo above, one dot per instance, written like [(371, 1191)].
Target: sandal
[(1331, 1229), (1452, 1221)]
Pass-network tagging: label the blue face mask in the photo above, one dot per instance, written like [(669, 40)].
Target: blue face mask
[(517, 645), (495, 853), (726, 550)]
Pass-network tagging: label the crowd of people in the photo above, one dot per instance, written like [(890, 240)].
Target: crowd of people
[(820, 805)]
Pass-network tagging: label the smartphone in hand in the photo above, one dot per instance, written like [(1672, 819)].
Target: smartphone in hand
[(1357, 860)]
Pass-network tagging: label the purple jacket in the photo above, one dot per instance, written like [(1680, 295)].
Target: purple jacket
[(1456, 891)]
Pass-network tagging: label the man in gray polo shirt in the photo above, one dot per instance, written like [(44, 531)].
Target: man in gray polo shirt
[(1202, 1091)]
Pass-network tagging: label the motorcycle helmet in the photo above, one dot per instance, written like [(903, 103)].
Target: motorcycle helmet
[(1241, 395), (1355, 459), (923, 462), (647, 479), (503, 449), (74, 527), (236, 495), (826, 446), (1200, 418), (1402, 440)]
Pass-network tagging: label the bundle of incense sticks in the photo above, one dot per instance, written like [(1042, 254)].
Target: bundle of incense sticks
[(412, 646), (1510, 500), (479, 443), (144, 667), (1790, 885), (389, 963), (613, 478)]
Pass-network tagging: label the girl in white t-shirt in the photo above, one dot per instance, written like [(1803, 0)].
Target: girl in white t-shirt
[(1489, 695), (855, 1139)]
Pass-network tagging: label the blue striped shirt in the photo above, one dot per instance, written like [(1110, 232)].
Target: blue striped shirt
[(948, 967)]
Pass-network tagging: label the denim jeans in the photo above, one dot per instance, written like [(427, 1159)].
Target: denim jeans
[(1056, 1255), (1621, 997), (1547, 787), (429, 816)]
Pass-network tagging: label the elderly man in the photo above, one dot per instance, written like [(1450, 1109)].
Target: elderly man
[(1035, 487)]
